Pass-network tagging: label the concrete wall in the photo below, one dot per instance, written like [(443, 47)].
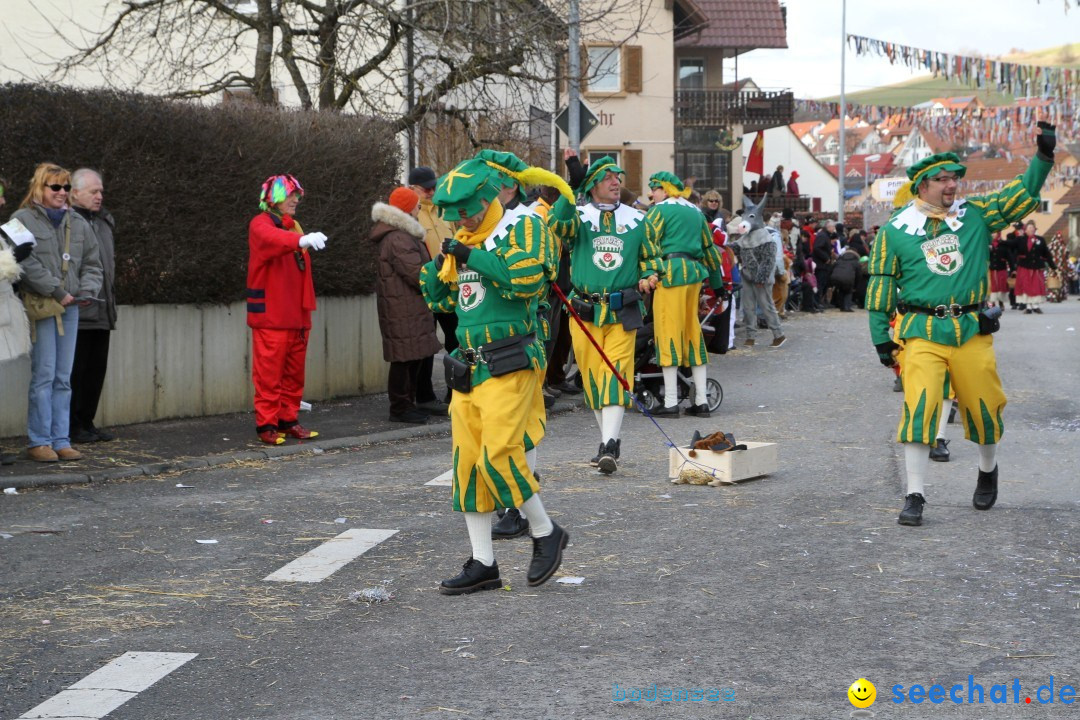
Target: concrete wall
[(168, 361)]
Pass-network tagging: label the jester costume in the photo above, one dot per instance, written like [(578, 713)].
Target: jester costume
[(931, 265), (490, 277)]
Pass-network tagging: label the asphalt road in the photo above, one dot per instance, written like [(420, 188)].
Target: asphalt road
[(771, 597)]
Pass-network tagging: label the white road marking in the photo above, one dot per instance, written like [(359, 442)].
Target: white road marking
[(331, 556), (109, 687), (447, 479)]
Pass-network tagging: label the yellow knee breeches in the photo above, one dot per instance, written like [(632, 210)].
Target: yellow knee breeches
[(679, 340), (601, 387)]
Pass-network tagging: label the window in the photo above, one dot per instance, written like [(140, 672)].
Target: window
[(691, 74), (605, 69), (1044, 207), (595, 155)]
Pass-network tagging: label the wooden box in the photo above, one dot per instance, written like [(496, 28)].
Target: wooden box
[(759, 458)]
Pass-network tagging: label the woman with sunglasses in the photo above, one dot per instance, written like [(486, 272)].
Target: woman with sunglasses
[(65, 266)]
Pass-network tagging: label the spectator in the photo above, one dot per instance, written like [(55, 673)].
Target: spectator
[(408, 333), (824, 254), (793, 184), (711, 205), (845, 273), (1032, 258), (756, 249), (97, 318), (281, 298), (16, 242), (1057, 288), (777, 186), (422, 181), (64, 265)]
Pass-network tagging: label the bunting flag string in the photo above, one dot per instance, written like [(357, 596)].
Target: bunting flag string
[(1017, 79)]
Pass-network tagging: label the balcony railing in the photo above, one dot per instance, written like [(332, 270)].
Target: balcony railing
[(724, 108)]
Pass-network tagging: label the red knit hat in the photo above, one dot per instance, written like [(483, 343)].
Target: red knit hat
[(404, 199)]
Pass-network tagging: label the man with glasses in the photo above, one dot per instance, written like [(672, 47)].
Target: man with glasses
[(930, 264)]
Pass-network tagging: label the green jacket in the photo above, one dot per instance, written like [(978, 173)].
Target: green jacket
[(680, 227), (496, 294), (923, 262), (609, 250)]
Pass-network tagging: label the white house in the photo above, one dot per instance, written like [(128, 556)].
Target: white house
[(783, 147)]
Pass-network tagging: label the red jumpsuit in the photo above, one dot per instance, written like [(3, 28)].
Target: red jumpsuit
[(280, 298)]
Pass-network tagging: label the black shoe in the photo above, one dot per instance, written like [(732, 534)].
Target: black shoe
[(985, 490), (1027, 311), (415, 417), (606, 460), (898, 384), (567, 388), (665, 411), (912, 512), (940, 451), (553, 391), (701, 410), (8, 459), (511, 525), (474, 576), (1037, 310), (599, 452), (102, 435), (79, 436), (547, 555), (433, 407), (549, 399), (952, 415)]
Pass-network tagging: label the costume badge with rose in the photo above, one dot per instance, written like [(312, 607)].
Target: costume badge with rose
[(943, 255), (471, 290), (607, 252)]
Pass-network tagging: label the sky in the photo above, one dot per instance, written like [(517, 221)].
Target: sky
[(811, 64)]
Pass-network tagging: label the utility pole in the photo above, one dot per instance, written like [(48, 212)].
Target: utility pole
[(843, 107), (574, 81)]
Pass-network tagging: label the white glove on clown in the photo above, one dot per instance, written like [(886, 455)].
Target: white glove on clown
[(314, 241)]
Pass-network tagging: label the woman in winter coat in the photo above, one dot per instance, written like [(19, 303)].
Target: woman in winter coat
[(1032, 258), (64, 266), (845, 273), (15, 245), (408, 332)]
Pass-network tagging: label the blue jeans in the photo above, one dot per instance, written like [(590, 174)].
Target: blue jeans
[(50, 381)]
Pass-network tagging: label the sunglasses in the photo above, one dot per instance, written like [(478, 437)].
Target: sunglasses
[(58, 188)]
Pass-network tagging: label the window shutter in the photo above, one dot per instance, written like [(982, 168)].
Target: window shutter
[(584, 58), (632, 166), (632, 71)]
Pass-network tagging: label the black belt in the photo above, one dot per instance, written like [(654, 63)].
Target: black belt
[(594, 298), (475, 356), (941, 311), (676, 256)]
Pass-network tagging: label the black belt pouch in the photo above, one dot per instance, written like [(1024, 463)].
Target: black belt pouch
[(630, 315), (988, 325), (583, 308), (507, 355), (458, 374)]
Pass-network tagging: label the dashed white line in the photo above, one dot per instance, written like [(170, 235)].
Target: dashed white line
[(447, 479), (109, 687), (322, 562)]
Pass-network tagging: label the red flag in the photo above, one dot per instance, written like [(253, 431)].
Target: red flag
[(755, 161)]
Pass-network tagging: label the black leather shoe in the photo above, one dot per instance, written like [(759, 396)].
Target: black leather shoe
[(985, 490), (103, 435), (567, 388), (413, 417), (474, 576), (701, 410), (511, 525), (940, 451), (8, 459), (599, 452), (547, 555), (912, 512), (665, 411), (80, 436), (606, 461)]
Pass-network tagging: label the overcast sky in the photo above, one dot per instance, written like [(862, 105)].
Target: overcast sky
[(811, 64)]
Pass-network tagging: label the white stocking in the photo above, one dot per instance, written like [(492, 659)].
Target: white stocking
[(917, 460), (987, 457), (539, 522), (671, 386), (530, 459), (479, 526), (612, 425), (946, 408), (700, 375)]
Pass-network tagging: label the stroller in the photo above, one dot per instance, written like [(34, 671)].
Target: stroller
[(649, 378)]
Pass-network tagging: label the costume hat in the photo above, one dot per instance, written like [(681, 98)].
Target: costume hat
[(928, 167), (461, 190), (508, 170), (277, 188), (671, 184), (598, 171)]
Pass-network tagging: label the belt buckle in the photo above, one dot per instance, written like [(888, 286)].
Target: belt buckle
[(471, 356), (956, 310), (596, 298), (940, 311)]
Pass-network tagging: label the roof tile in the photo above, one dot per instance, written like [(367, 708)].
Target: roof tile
[(736, 24)]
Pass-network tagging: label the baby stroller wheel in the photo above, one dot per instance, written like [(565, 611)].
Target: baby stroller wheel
[(647, 399), (714, 394)]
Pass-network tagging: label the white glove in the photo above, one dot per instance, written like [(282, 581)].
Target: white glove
[(314, 241)]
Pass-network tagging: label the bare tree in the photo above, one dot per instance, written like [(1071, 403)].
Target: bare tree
[(404, 60)]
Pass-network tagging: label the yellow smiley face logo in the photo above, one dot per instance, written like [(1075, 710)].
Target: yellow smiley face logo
[(862, 693)]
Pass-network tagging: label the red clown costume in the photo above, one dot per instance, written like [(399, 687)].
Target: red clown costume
[(280, 299)]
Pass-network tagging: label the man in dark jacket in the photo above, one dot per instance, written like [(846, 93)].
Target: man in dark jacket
[(823, 254), (97, 317)]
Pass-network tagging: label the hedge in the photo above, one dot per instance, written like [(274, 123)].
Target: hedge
[(183, 180)]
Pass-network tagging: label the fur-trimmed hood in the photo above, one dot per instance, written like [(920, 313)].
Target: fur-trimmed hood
[(391, 218), (9, 269)]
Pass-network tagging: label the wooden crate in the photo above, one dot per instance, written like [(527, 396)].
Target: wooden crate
[(759, 458)]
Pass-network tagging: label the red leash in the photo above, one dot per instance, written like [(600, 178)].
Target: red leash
[(581, 324)]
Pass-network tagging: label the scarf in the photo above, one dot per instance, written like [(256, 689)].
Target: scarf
[(449, 272), (56, 215), (930, 210)]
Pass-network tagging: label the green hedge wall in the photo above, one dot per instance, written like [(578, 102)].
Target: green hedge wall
[(183, 182)]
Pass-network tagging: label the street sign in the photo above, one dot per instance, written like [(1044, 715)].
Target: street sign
[(587, 120), (885, 188)]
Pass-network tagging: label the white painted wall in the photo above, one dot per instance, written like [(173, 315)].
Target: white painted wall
[(169, 361), (782, 147)]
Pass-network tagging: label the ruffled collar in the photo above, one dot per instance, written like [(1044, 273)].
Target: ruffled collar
[(626, 217)]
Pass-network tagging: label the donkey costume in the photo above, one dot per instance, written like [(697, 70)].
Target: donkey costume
[(756, 249)]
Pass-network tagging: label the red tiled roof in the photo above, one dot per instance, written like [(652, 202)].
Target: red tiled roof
[(801, 128), (739, 24), (991, 169)]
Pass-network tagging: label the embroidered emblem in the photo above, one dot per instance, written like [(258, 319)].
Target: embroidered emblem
[(471, 291), (607, 252), (943, 255)]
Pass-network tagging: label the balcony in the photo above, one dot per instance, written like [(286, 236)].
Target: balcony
[(725, 108)]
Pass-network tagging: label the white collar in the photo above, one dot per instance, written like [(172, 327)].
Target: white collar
[(678, 201), (509, 219), (626, 217), (913, 221)]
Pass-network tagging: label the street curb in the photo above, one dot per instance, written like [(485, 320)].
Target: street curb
[(269, 453)]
